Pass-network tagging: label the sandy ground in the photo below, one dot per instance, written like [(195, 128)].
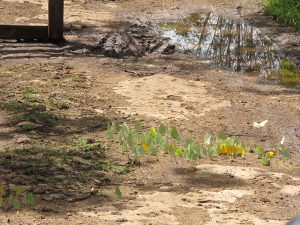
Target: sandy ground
[(177, 89)]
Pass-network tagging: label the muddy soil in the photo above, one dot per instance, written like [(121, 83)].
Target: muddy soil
[(57, 100)]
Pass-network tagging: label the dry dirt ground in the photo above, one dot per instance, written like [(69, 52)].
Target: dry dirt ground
[(56, 102)]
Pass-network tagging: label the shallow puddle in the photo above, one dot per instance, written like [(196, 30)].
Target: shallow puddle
[(235, 45)]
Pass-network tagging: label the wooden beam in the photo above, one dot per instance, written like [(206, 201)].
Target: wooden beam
[(56, 20), (23, 32)]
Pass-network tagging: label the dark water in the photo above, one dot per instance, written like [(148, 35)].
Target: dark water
[(235, 45)]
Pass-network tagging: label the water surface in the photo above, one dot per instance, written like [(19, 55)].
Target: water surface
[(235, 45)]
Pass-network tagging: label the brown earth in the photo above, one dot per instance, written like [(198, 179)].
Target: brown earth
[(79, 92)]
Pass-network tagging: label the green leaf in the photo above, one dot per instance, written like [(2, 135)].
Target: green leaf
[(179, 152), (2, 190), (265, 160), (200, 151), (13, 201), (124, 146), (114, 128), (208, 139), (109, 133), (130, 140), (260, 150), (163, 129), (172, 149), (212, 152), (175, 134), (138, 126), (286, 155), (165, 146), (222, 135), (1, 201), (18, 191), (153, 132), (118, 192), (29, 198), (152, 150)]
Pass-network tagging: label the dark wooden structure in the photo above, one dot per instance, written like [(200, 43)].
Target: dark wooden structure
[(53, 32)]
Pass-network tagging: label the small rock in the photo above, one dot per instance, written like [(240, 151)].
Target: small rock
[(170, 49), (43, 209), (81, 161), (58, 196), (48, 198), (99, 111), (122, 220), (27, 124), (80, 197), (22, 139), (81, 51)]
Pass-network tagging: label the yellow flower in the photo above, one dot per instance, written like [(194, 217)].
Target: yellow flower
[(232, 150), (146, 147), (271, 154)]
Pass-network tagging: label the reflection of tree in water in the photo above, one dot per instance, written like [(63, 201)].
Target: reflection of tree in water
[(234, 45)]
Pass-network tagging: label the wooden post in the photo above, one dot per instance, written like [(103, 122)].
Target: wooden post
[(56, 20)]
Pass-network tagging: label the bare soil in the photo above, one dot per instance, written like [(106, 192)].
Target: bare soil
[(57, 100)]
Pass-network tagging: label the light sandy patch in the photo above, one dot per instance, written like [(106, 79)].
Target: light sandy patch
[(227, 218), (291, 189), (166, 97), (74, 12), (283, 176), (236, 171), (157, 207)]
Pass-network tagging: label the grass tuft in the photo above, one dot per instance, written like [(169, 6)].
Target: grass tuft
[(287, 11), (289, 74)]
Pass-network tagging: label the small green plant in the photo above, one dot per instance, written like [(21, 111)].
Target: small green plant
[(260, 150), (18, 200), (118, 192), (168, 140), (266, 160), (286, 155)]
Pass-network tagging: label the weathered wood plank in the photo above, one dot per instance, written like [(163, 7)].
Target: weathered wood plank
[(24, 32), (56, 20)]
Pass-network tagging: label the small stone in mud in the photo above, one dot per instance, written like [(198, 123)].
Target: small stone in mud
[(170, 49), (122, 220)]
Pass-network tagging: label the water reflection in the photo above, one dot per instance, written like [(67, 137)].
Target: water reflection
[(235, 45)]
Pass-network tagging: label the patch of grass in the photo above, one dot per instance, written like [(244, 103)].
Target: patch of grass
[(86, 145), (52, 105), (30, 91), (77, 79), (29, 94), (289, 74), (28, 109), (41, 117), (121, 170), (17, 105), (14, 67), (287, 11)]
